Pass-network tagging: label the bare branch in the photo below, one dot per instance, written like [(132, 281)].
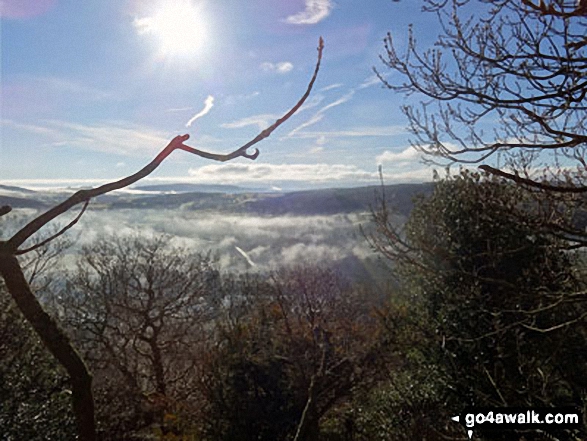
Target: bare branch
[(56, 235), (520, 180), (555, 327), (176, 143), (5, 209), (544, 9)]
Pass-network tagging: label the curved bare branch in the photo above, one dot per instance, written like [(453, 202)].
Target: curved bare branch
[(56, 235), (176, 143), (520, 180)]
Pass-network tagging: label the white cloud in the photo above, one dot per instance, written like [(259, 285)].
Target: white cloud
[(255, 173), (423, 174), (179, 109), (112, 137), (313, 101), (320, 113), (118, 137), (343, 99), (315, 12), (370, 81), (281, 67), (262, 121), (330, 87), (408, 155), (31, 128), (233, 173), (353, 132), (313, 120), (208, 104)]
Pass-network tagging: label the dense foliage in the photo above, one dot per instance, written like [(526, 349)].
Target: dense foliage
[(493, 302)]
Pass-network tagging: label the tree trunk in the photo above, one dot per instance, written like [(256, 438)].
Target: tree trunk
[(56, 341)]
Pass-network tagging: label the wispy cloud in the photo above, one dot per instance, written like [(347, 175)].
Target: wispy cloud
[(179, 109), (330, 87), (408, 155), (353, 132), (37, 129), (208, 104), (315, 12), (373, 80), (314, 101), (62, 88), (320, 113), (113, 137), (282, 67), (262, 121), (313, 120), (318, 116)]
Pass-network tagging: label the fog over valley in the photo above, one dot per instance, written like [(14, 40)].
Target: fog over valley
[(244, 231)]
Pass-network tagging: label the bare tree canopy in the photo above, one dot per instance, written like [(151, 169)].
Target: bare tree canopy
[(505, 81)]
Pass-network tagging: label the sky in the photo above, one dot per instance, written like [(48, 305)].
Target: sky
[(93, 89)]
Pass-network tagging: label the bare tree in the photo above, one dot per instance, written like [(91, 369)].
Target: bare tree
[(54, 338), (137, 309), (505, 81)]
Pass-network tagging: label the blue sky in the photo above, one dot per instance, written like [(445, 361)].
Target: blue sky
[(93, 89)]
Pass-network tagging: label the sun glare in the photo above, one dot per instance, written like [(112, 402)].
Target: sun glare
[(178, 26)]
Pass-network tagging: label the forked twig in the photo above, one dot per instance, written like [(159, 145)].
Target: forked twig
[(56, 235), (176, 143)]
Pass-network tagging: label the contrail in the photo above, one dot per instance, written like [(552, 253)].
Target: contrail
[(208, 104)]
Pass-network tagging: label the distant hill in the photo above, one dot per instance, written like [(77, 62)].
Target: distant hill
[(234, 199), (17, 202), (301, 203), (189, 201), (339, 200), (16, 189)]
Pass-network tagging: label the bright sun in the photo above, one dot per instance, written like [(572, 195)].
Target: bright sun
[(178, 27)]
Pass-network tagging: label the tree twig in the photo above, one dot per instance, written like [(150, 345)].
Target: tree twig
[(56, 235)]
